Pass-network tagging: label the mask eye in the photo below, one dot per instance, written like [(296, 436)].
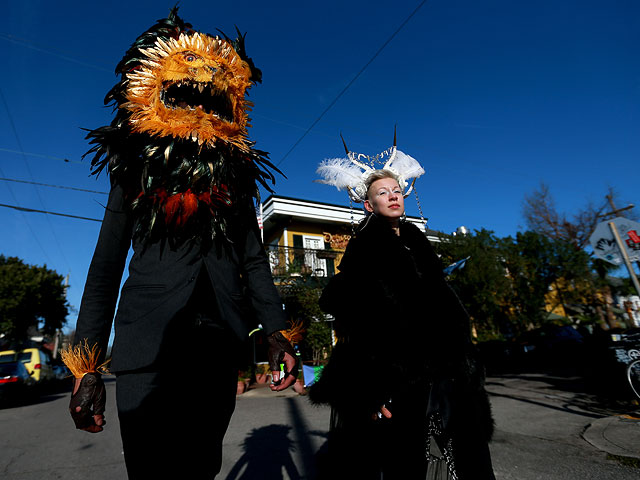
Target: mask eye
[(190, 57)]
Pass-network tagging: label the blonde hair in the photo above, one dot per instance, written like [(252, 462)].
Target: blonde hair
[(378, 175)]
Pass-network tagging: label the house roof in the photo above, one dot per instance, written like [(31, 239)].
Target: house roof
[(277, 207)]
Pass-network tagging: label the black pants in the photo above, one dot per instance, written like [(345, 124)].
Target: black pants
[(174, 414)]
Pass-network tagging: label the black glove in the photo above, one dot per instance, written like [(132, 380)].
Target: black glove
[(278, 346), (91, 398)]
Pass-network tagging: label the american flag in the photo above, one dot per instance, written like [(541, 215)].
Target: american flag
[(260, 226), (259, 216), (454, 266)]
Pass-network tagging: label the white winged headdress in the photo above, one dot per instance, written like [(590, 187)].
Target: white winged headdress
[(351, 173)]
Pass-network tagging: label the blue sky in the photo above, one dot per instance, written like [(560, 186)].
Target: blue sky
[(493, 97)]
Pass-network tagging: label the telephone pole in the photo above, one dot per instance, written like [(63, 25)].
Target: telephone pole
[(615, 211), (616, 235)]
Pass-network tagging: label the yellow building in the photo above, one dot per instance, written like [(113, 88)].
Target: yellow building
[(308, 238)]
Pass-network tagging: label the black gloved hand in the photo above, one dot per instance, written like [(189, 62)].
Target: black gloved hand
[(278, 346), (88, 401)]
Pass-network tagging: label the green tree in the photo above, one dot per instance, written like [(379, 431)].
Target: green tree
[(30, 296), (318, 338), (535, 265), (505, 282), (482, 285), (573, 281), (542, 216), (528, 262), (301, 296)]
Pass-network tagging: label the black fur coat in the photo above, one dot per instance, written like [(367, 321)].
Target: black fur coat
[(402, 330)]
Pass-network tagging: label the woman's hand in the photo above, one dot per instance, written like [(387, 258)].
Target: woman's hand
[(383, 412)]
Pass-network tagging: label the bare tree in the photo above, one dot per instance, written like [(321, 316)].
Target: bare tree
[(541, 216)]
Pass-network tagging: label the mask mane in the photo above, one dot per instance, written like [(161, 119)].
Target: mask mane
[(178, 143)]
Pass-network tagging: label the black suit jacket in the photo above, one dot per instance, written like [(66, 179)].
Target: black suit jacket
[(161, 281)]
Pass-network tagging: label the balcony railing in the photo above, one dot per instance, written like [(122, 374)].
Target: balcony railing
[(294, 261)]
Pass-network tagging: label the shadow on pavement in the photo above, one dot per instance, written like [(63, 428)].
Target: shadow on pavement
[(266, 453), (274, 452), (566, 408), (310, 458), (583, 392)]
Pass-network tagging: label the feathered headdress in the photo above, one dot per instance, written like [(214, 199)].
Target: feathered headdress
[(179, 144), (352, 173)]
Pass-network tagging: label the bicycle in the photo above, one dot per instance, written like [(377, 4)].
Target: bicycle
[(633, 371)]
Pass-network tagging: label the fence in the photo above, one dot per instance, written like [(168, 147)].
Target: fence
[(302, 261)]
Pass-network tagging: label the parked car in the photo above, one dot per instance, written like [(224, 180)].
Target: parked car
[(499, 356), (552, 346), (60, 372), (37, 362), (15, 383)]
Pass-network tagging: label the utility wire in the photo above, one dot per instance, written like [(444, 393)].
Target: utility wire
[(54, 186), (34, 46), (335, 100), (23, 209), (66, 160), (15, 132), (33, 234)]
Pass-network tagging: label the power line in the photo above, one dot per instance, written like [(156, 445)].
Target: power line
[(335, 100), (33, 234), (34, 46), (24, 209), (66, 160), (24, 158), (54, 186)]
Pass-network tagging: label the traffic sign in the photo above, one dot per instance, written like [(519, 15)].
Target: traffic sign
[(605, 246)]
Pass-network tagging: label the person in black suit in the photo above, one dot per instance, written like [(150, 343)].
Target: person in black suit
[(183, 181)]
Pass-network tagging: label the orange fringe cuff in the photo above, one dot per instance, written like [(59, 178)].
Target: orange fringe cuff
[(82, 359), (294, 334)]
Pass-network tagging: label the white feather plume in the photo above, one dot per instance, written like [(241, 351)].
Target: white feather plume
[(406, 166), (352, 173), (339, 172)]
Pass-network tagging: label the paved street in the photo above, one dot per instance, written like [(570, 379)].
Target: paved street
[(540, 421), (539, 426)]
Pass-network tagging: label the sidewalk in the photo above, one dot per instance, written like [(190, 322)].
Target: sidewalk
[(616, 435), (263, 390)]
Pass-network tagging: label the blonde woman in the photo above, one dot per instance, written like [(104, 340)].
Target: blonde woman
[(405, 387)]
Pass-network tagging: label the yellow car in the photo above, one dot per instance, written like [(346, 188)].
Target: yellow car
[(37, 362)]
